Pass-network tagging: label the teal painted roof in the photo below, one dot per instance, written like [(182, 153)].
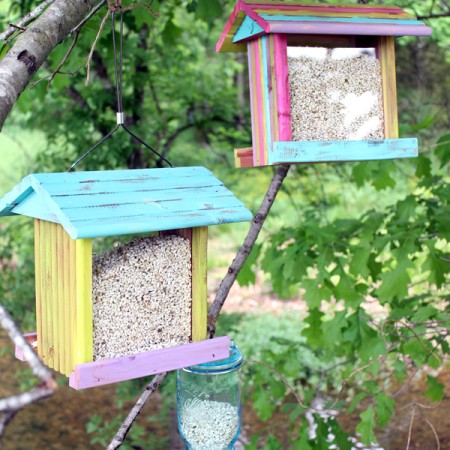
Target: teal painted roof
[(116, 202)]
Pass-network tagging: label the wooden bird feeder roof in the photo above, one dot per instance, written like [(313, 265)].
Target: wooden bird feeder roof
[(253, 18), (115, 202)]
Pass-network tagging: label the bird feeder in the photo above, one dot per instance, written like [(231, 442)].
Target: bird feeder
[(322, 80), (72, 209)]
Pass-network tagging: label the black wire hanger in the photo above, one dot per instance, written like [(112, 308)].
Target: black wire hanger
[(118, 68)]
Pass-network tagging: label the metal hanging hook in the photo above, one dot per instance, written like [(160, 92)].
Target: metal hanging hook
[(120, 115)]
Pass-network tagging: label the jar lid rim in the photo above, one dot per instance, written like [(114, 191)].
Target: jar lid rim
[(233, 362)]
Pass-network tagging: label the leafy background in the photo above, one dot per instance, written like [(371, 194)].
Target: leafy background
[(364, 247)]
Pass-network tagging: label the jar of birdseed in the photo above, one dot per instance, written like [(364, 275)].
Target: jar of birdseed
[(209, 403)]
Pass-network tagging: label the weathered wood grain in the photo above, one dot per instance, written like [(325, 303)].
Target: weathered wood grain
[(109, 371)]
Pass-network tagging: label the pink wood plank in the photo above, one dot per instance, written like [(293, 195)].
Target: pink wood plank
[(355, 29), (31, 338), (99, 373), (258, 153), (282, 84), (255, 16), (329, 8), (251, 48)]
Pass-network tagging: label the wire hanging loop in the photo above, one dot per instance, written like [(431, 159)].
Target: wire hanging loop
[(118, 75)]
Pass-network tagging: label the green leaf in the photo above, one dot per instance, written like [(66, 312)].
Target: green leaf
[(436, 390), (406, 208), (423, 167), (356, 401), (313, 332), (272, 443), (263, 404), (247, 275), (208, 9), (443, 149), (332, 329), (366, 426), (341, 438), (315, 293), (437, 266), (384, 408), (394, 284)]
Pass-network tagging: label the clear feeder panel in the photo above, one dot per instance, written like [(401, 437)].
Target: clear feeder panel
[(209, 403), (336, 94)]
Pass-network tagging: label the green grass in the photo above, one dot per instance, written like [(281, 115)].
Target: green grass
[(18, 148)]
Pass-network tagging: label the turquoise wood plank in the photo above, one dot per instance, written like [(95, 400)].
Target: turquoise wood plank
[(247, 29), (93, 204), (332, 151), (136, 175), (119, 226), (33, 205), (281, 17), (132, 209), (147, 196), (99, 187)]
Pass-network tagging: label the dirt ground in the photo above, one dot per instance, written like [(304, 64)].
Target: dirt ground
[(59, 423)]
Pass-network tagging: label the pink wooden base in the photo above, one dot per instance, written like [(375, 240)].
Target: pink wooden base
[(108, 371), (31, 338)]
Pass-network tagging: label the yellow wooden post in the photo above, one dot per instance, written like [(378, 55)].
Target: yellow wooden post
[(199, 283), (40, 313), (386, 53), (83, 282)]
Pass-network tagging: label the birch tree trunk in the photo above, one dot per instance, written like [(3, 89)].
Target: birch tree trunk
[(34, 45)]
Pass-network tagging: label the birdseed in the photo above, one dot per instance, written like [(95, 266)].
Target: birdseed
[(141, 295), (336, 94), (209, 425)]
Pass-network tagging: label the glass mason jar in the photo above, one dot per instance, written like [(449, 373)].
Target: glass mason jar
[(209, 403)]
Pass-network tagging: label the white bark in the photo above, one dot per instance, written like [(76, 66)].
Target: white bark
[(34, 45)]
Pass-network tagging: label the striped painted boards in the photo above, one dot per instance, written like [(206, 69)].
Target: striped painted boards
[(266, 28), (70, 209)]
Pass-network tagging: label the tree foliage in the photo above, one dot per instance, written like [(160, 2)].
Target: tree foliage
[(366, 245)]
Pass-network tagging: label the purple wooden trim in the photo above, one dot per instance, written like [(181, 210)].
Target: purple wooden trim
[(355, 29), (282, 86), (99, 373), (31, 338)]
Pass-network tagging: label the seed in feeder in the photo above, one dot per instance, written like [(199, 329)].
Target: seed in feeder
[(335, 94), (141, 295), (209, 425)]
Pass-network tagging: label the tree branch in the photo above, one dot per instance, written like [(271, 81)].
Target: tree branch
[(137, 408), (434, 16), (10, 406), (24, 21), (34, 45), (244, 251)]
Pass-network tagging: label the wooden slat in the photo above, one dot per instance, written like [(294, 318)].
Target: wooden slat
[(66, 300), (38, 280), (54, 296), (48, 335), (333, 151), (60, 300), (243, 157), (72, 295), (282, 86), (311, 5), (83, 327), (333, 20), (99, 373), (255, 110), (199, 283), (356, 29), (386, 54), (321, 12)]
